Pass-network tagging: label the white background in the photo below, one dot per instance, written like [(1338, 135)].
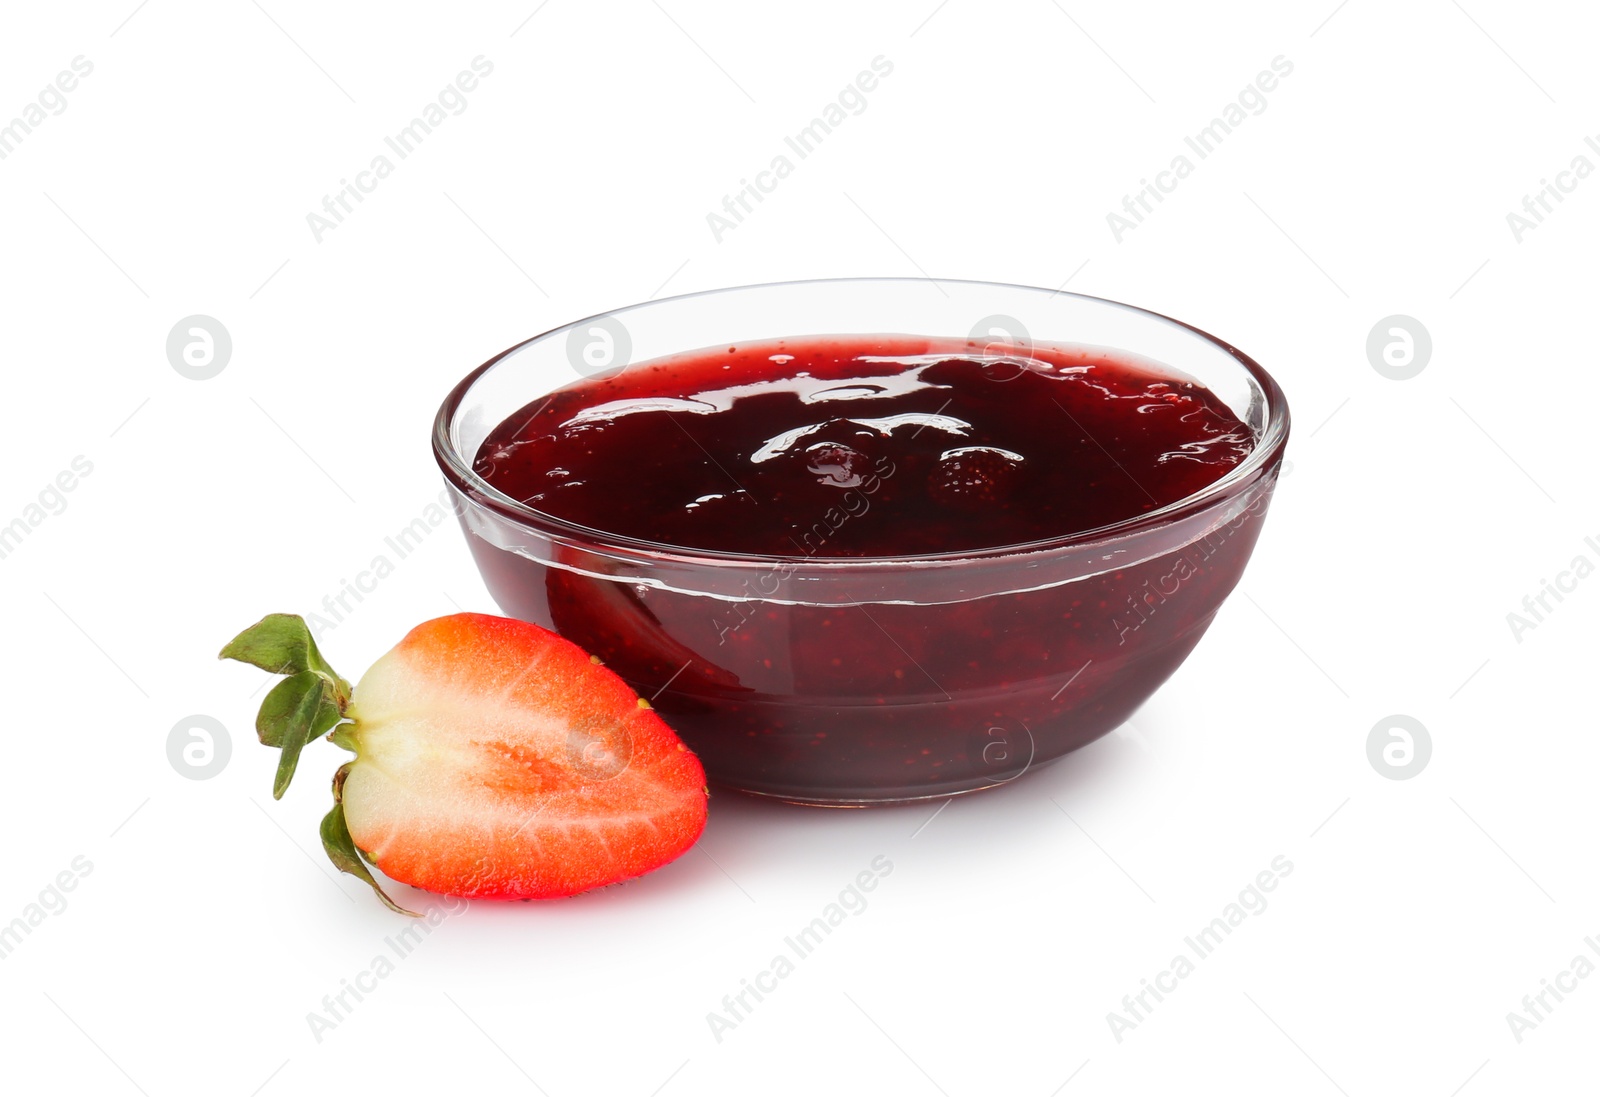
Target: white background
[(1417, 515)]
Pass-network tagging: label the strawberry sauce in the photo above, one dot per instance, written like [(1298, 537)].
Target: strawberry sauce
[(746, 449), (863, 448)]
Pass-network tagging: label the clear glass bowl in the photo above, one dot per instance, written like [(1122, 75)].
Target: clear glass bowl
[(858, 681)]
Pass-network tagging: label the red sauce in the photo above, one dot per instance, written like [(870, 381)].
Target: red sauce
[(745, 449)]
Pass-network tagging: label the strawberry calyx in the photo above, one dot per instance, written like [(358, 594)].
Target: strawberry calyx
[(341, 848), (309, 703)]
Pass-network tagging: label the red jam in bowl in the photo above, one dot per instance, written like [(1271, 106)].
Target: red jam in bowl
[(924, 451), (905, 596)]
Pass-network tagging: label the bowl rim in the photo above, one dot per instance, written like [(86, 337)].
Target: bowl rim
[(459, 474)]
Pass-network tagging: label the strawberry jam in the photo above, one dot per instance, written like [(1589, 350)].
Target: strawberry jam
[(747, 448), (885, 453)]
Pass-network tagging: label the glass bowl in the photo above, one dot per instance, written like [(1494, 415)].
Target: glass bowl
[(852, 681)]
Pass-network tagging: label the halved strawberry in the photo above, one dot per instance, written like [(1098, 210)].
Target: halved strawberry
[(494, 759)]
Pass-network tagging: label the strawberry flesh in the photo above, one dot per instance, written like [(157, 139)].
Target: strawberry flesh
[(497, 760)]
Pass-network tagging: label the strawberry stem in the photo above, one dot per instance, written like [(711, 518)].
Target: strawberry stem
[(308, 703), (341, 848)]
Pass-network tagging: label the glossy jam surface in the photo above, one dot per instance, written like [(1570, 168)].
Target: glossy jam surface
[(877, 448), (925, 447)]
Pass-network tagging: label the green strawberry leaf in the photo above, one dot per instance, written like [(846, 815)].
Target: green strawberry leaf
[(307, 704), (297, 710), (278, 709), (282, 644), (341, 849)]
